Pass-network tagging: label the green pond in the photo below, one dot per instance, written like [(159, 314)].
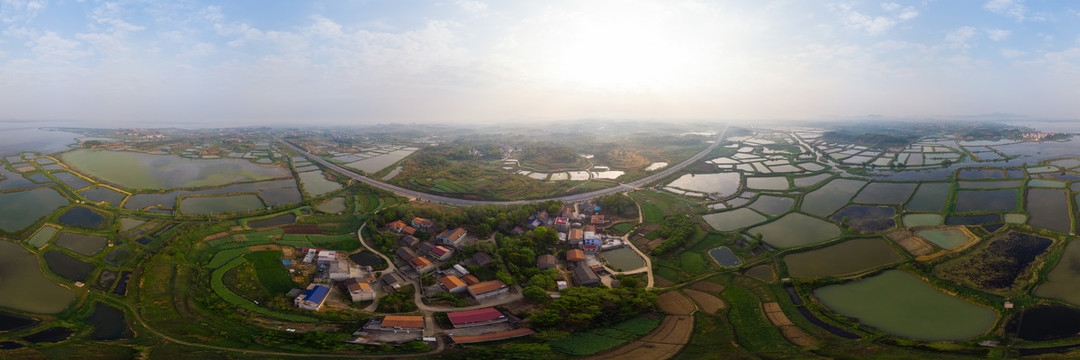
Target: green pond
[(831, 197), (332, 206), (885, 193), (724, 257), (130, 223), (1061, 282), (928, 197), (104, 194), (899, 303), (1066, 163), (850, 256), (623, 259), (772, 205), (721, 183), (796, 229), (315, 184), (42, 236), (767, 183), (1046, 183), (24, 287), (82, 244), (1049, 209), (986, 200), (208, 205), (734, 219), (912, 220), (148, 171), (944, 238), (19, 210), (1016, 218)]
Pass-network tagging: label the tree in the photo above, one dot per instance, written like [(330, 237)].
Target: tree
[(535, 293)]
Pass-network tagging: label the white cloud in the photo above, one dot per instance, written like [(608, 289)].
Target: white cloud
[(959, 38), (998, 34), (1011, 8), (472, 6), (874, 25), (20, 10), (53, 48), (1012, 53)]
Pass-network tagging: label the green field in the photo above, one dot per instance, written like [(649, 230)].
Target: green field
[(597, 340), (752, 329), (221, 290), (655, 205), (272, 274), (622, 228)]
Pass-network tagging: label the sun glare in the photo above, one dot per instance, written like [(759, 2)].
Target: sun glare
[(628, 50)]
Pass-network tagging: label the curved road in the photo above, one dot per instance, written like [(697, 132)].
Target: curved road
[(462, 202)]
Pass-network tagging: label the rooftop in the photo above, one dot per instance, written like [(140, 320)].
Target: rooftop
[(486, 287), (575, 255), (451, 282), (403, 321), (474, 316)]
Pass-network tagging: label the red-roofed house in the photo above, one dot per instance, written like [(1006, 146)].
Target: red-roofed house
[(562, 224), (575, 255), (488, 289), (396, 226), (598, 220), (422, 264), (478, 317), (441, 252), (409, 230), (422, 223), (470, 279), (452, 284)]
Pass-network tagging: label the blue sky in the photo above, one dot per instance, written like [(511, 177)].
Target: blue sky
[(362, 62)]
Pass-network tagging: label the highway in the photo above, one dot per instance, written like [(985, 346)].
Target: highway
[(412, 194)]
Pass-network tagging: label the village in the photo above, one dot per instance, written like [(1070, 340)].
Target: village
[(437, 270)]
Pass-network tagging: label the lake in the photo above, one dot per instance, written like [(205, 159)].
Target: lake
[(19, 210), (147, 171), (901, 304), (24, 287)]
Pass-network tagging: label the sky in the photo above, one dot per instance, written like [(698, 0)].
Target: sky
[(245, 62)]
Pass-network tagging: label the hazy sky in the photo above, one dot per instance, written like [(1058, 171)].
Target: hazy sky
[(274, 62)]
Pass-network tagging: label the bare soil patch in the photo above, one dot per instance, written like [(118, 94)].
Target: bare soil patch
[(707, 286), (907, 240), (709, 303), (672, 330), (673, 302), (775, 314), (796, 336), (216, 236), (264, 248)]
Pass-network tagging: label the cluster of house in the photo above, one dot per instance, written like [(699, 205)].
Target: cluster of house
[(334, 268), (465, 327), (422, 257), (579, 232)]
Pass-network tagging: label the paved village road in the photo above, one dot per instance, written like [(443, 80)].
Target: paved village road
[(412, 194)]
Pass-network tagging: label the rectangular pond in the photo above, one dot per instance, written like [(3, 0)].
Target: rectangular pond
[(623, 259), (831, 197), (1049, 209), (986, 200), (795, 229), (733, 220), (207, 205), (146, 171), (851, 256), (721, 183), (929, 197)]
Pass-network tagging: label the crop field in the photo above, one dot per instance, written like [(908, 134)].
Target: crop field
[(221, 290), (597, 340), (622, 228), (271, 273), (752, 330), (655, 205)]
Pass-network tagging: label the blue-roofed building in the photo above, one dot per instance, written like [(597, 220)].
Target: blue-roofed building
[(312, 298), (286, 262), (591, 245)]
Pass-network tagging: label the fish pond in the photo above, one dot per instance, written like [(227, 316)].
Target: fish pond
[(734, 219), (767, 183), (796, 229), (1061, 281), (724, 257), (867, 219), (82, 244), (71, 180), (283, 219), (19, 210), (912, 220), (721, 183), (623, 259), (104, 194), (831, 197), (24, 287), (42, 236), (209, 205), (315, 183), (367, 258), (944, 238), (972, 219), (809, 181), (986, 200), (997, 266), (901, 304), (848, 257), (147, 171), (772, 205), (67, 266), (50, 335), (82, 217), (1045, 323), (928, 197), (108, 322), (1049, 209), (885, 193)]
